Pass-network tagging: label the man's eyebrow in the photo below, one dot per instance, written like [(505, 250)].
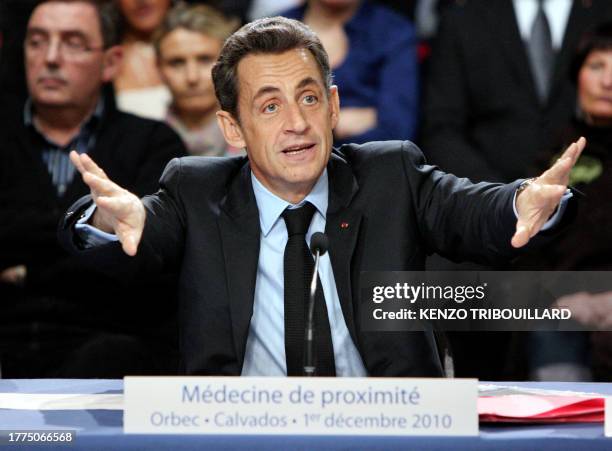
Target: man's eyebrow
[(36, 30), (69, 32), (306, 82), (265, 90), (272, 89)]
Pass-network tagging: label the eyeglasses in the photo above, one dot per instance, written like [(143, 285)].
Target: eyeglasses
[(70, 47)]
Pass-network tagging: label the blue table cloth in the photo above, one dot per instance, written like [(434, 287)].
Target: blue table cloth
[(103, 429)]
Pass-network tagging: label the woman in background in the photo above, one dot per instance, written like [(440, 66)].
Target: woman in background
[(138, 86), (187, 44), (587, 243)]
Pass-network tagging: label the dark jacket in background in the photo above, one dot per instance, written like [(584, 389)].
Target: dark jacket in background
[(481, 116), (58, 290)]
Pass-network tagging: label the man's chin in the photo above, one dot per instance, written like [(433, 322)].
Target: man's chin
[(51, 101)]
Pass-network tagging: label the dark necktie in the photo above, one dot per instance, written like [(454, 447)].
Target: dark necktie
[(541, 53), (298, 270)]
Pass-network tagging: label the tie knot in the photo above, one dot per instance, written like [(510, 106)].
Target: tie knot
[(298, 219)]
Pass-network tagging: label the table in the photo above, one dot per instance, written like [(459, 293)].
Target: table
[(103, 429)]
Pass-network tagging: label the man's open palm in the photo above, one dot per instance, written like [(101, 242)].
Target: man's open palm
[(119, 211), (538, 201)]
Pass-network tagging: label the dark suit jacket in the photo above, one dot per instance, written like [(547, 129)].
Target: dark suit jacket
[(481, 115), (133, 151), (205, 221)]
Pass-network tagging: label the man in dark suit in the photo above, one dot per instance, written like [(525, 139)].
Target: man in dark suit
[(47, 328), (483, 116), (229, 225)]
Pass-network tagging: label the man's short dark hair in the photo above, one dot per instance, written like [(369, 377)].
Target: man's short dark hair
[(108, 17), (271, 35)]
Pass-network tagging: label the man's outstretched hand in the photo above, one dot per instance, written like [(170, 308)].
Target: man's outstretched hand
[(538, 201), (119, 211)]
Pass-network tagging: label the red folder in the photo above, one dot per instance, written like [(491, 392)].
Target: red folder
[(532, 408)]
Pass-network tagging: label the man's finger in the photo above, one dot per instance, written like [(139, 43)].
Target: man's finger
[(574, 150), (76, 161), (129, 245), (101, 186), (118, 207), (521, 235), (130, 238), (526, 230), (559, 172), (91, 166)]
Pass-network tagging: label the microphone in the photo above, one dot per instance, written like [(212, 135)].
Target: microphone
[(319, 243), (318, 246)]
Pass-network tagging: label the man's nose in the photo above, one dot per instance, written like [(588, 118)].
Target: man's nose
[(296, 120), (192, 73), (53, 52)]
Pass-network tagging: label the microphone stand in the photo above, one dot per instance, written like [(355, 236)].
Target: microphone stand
[(309, 358), (318, 246)]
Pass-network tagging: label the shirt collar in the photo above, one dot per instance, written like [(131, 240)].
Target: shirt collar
[(271, 206), (28, 113)]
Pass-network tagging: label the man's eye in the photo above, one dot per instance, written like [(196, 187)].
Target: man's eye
[(310, 99), (271, 108), (205, 59), (75, 44), (175, 63), (36, 41)]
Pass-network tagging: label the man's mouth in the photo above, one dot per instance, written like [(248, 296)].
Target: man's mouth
[(51, 81), (298, 149)]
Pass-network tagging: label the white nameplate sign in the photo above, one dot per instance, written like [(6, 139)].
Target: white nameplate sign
[(314, 406), (608, 417)]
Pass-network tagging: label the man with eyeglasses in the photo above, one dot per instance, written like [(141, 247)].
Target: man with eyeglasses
[(47, 328)]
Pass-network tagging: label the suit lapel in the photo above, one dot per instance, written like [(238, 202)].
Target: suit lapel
[(503, 26), (342, 227), (240, 235)]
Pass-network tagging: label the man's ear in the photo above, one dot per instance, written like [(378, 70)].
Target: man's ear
[(113, 57), (231, 129), (334, 105)]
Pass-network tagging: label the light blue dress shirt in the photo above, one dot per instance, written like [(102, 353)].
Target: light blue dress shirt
[(265, 349)]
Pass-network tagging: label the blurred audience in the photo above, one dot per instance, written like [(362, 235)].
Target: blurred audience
[(497, 89), (138, 86), (248, 10), (372, 52), (187, 44), (495, 93), (47, 327), (14, 15), (587, 244), (267, 8)]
